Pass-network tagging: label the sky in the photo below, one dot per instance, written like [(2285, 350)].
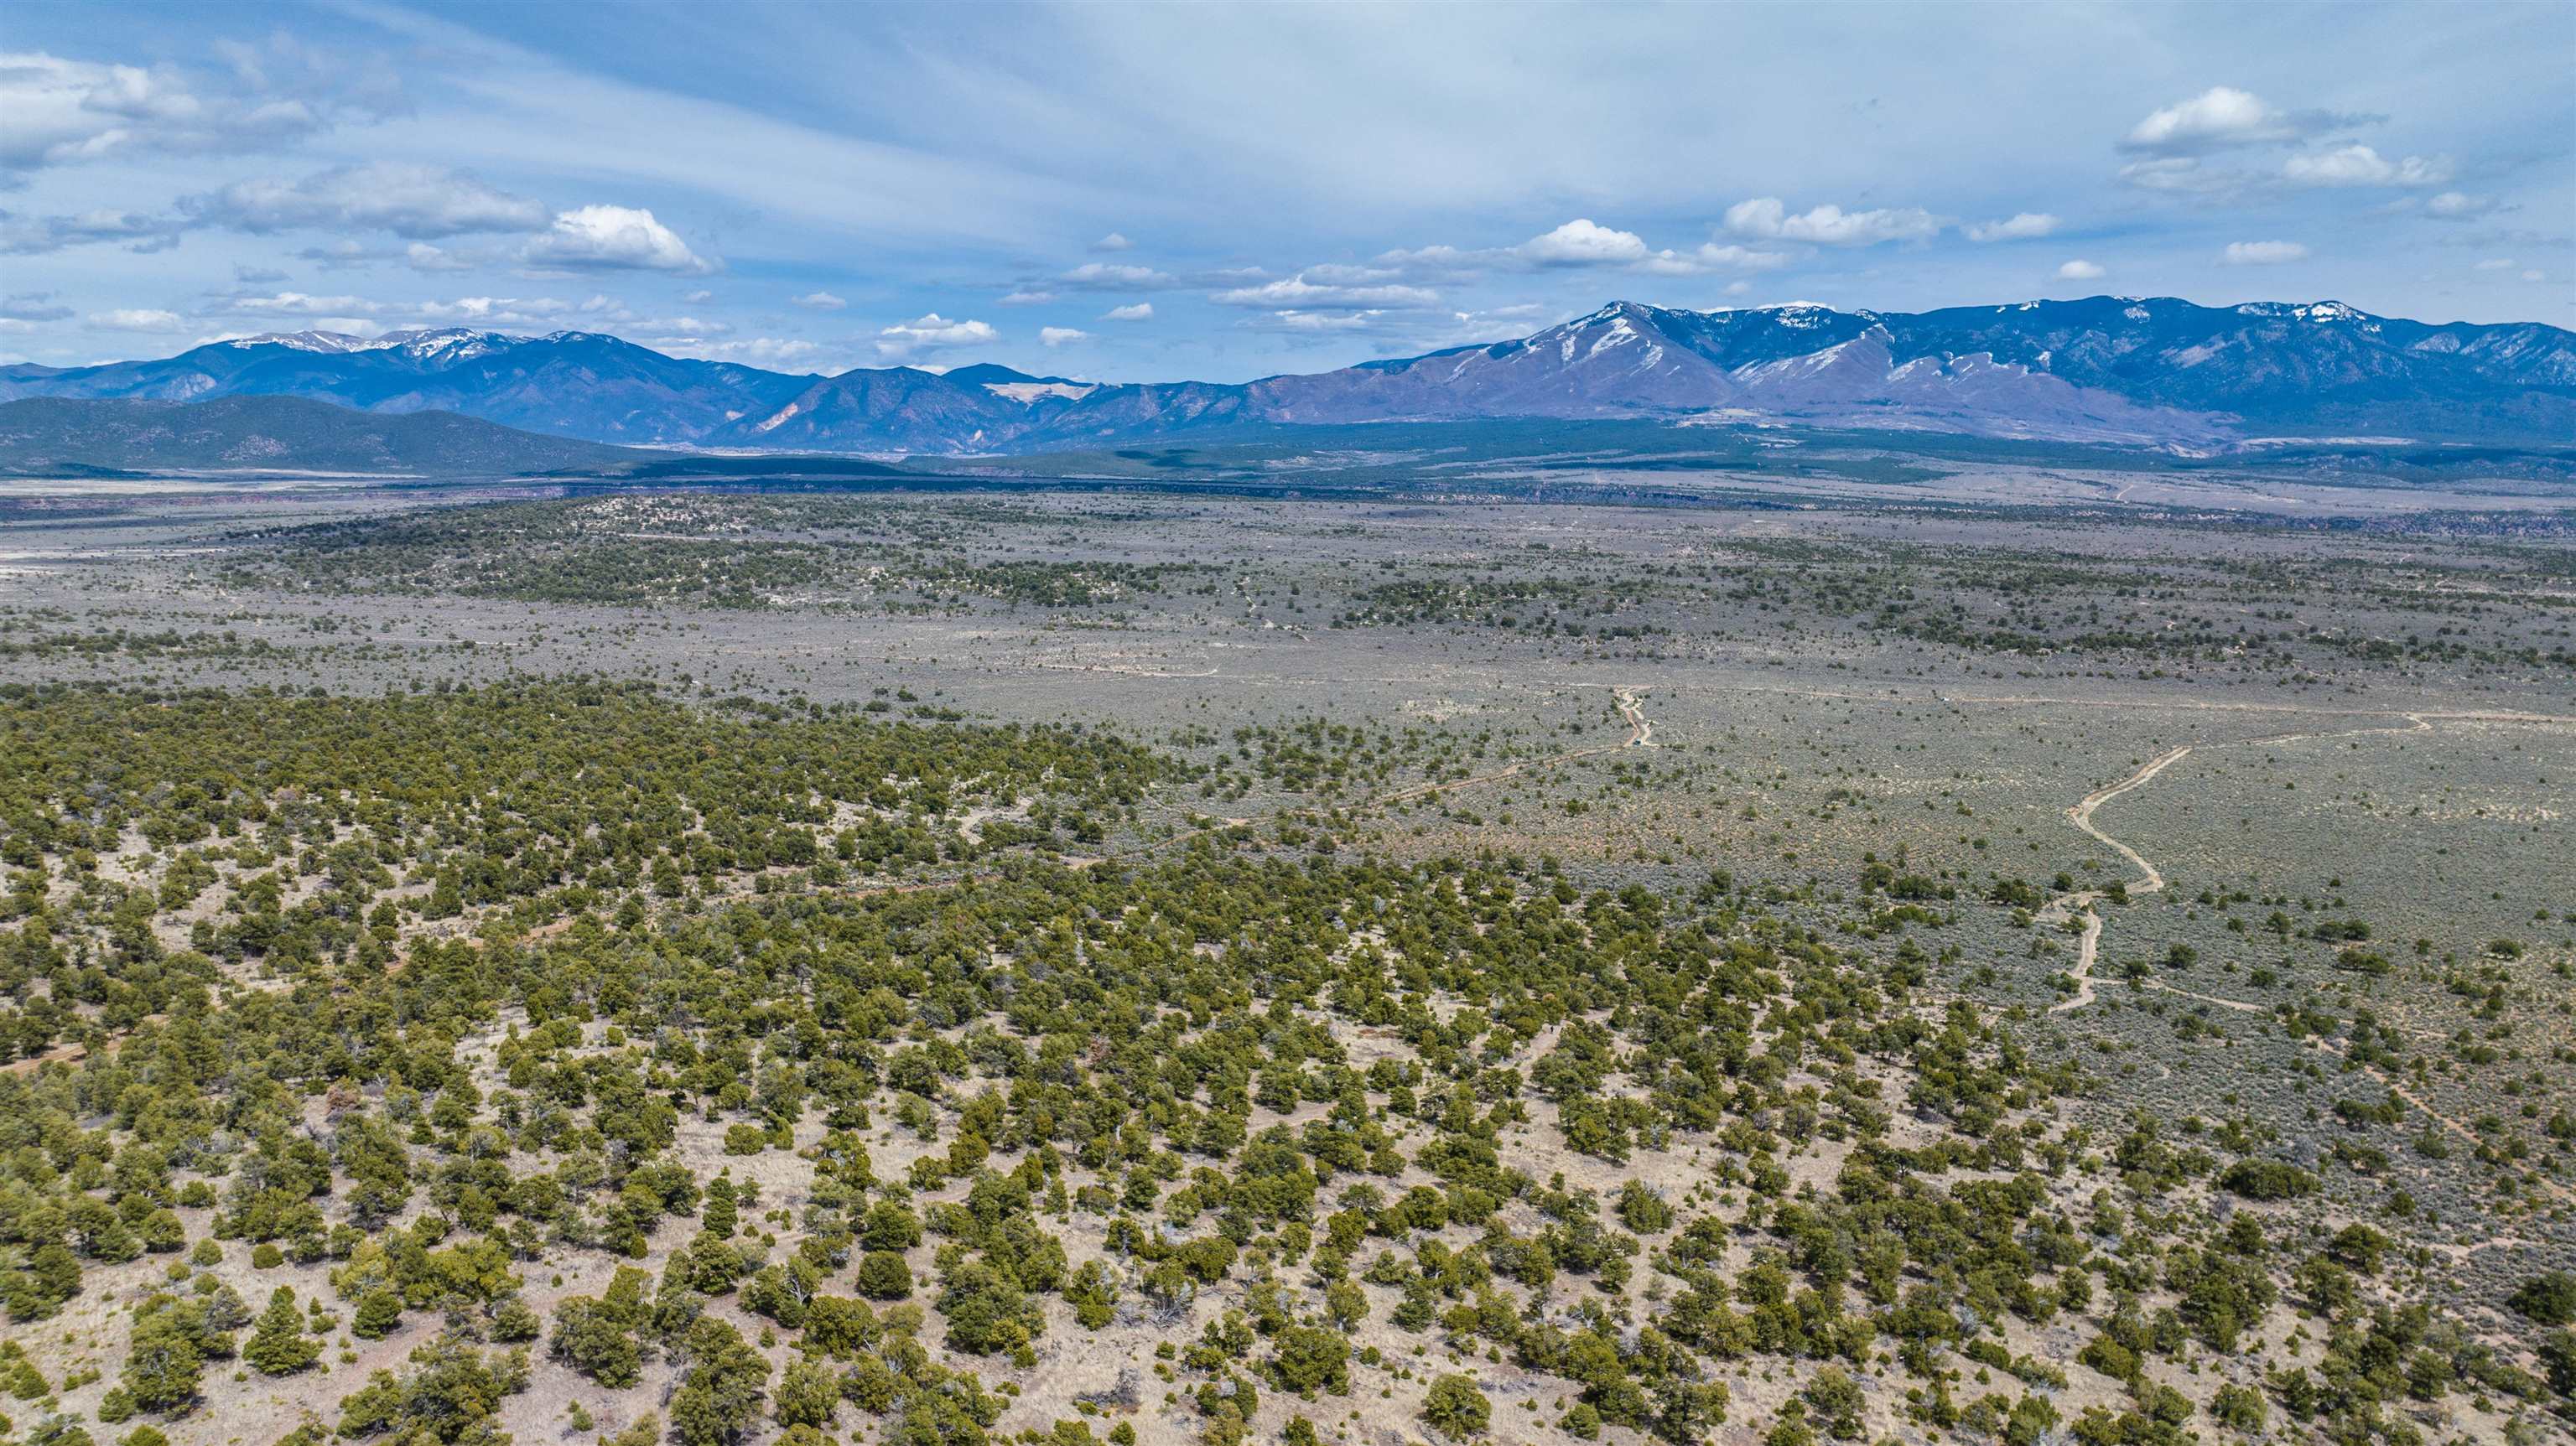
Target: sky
[(1150, 192)]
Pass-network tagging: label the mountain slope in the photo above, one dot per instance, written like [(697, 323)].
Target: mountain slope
[(2154, 372), (575, 384), (40, 435)]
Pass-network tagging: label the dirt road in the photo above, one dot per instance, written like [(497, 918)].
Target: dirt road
[(2066, 906)]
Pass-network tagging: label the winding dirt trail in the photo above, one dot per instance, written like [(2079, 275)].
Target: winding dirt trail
[(1641, 733), (2066, 906)]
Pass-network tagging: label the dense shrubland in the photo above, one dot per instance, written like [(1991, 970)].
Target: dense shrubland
[(821, 1153)]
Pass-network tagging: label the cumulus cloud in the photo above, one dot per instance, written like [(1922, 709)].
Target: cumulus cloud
[(367, 316), (1438, 261), (64, 112), (2264, 253), (932, 332), (1055, 336), (1765, 218), (1027, 296), (2219, 116), (1112, 242), (353, 314), (1298, 292), (613, 238), (1134, 311), (2080, 270), (417, 202), (1580, 242), (2359, 165), (135, 319), (1111, 276), (482, 311), (1711, 257), (820, 301), (2024, 226), (2458, 206)]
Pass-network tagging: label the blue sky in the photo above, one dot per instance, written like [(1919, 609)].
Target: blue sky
[(1132, 192)]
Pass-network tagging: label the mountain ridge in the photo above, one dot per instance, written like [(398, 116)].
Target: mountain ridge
[(249, 435), (2122, 371)]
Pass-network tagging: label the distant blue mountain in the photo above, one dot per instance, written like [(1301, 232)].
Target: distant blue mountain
[(2132, 372)]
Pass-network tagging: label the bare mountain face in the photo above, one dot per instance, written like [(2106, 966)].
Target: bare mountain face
[(2114, 370)]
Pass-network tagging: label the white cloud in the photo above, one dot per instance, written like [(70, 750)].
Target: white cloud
[(1296, 291), (361, 314), (1112, 242), (2359, 165), (1581, 243), (1055, 336), (1578, 243), (1711, 257), (760, 351), (2264, 253), (2458, 206), (1025, 296), (2218, 117), (419, 202), (820, 301), (509, 311), (1138, 311), (613, 238), (1314, 321), (1110, 276), (2080, 270), (421, 256), (2535, 276), (64, 112), (135, 319), (1441, 261), (1765, 218), (2496, 263), (297, 303), (2025, 226), (663, 335), (933, 332)]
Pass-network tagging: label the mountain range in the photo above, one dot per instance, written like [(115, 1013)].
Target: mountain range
[(2117, 371), (50, 435)]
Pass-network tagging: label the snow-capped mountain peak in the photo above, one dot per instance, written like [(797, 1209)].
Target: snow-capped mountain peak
[(326, 343)]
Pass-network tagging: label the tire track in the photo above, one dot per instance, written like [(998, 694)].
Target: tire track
[(2066, 906)]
